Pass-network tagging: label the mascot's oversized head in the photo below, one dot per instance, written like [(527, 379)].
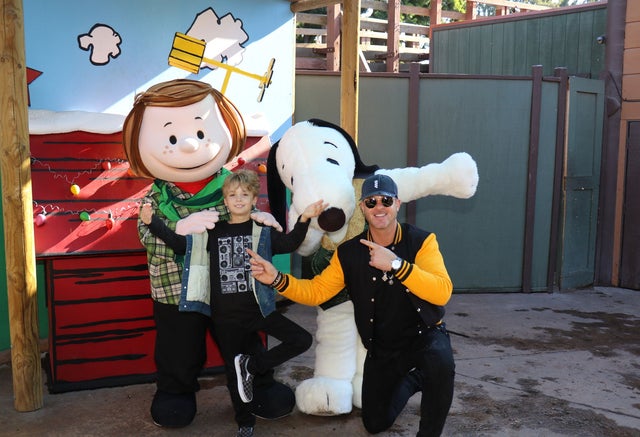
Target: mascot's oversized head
[(315, 159), (182, 131)]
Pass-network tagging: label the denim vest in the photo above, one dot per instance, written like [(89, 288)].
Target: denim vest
[(265, 296)]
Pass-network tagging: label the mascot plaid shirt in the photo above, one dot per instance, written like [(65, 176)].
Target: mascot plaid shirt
[(165, 267)]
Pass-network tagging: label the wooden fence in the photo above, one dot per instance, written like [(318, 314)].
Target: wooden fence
[(385, 44)]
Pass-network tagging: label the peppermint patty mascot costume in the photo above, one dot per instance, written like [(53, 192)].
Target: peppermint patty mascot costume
[(181, 133)]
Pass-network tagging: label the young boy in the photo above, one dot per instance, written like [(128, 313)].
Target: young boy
[(240, 306)]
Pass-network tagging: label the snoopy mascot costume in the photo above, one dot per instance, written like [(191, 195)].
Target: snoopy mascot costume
[(315, 160)]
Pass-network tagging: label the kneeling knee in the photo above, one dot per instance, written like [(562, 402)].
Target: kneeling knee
[(374, 425)]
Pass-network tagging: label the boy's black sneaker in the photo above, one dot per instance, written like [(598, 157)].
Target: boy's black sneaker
[(245, 431), (244, 377)]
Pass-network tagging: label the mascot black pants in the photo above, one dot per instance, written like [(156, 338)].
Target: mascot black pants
[(180, 348)]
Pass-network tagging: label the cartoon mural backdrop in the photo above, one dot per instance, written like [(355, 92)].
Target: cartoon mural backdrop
[(85, 63), (95, 56)]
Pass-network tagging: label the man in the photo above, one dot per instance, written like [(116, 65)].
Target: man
[(398, 284)]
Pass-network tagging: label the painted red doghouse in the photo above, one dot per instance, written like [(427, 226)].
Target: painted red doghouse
[(101, 329)]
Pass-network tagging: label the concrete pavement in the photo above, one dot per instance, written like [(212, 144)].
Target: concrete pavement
[(559, 364)]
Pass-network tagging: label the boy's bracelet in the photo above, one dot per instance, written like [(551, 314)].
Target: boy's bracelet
[(277, 280)]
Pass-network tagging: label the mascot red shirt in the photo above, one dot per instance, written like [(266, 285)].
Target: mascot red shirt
[(181, 133)]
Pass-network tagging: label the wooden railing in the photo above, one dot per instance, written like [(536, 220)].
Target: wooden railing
[(385, 45)]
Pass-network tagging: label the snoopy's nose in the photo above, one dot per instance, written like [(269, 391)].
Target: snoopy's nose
[(332, 219), (189, 145)]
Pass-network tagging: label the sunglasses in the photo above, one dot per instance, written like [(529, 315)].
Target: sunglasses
[(371, 202)]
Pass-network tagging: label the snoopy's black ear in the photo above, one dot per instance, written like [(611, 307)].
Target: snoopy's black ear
[(276, 190)]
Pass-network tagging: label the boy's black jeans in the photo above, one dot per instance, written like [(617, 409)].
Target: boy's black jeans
[(243, 338)]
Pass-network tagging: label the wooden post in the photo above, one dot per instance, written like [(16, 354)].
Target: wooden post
[(350, 73), (532, 176), (393, 36), (471, 11), (333, 38), (435, 17), (15, 173)]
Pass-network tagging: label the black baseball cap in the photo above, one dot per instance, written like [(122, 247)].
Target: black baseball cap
[(379, 185)]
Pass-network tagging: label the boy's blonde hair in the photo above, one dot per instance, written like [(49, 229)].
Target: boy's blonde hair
[(247, 179)]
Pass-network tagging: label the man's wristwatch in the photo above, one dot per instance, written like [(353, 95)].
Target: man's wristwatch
[(396, 264)]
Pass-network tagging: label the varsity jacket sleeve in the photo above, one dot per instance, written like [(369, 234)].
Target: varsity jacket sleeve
[(317, 290), (287, 243), (175, 241), (427, 277)]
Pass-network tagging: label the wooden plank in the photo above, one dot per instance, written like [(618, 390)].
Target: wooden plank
[(597, 59), (546, 44), (631, 110), (561, 124), (633, 11), (474, 64), (519, 5), (585, 45), (393, 38), (306, 5), (465, 50), (18, 212), (485, 50), (435, 16), (333, 38), (532, 45), (509, 48), (520, 54), (632, 35), (571, 52), (532, 171), (497, 46), (631, 61), (631, 86), (629, 266), (558, 50)]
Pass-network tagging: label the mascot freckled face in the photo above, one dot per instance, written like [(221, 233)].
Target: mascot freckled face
[(181, 133), (315, 160)]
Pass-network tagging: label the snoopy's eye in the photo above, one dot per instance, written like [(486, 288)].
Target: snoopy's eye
[(333, 161), (292, 181), (173, 140), (200, 134)]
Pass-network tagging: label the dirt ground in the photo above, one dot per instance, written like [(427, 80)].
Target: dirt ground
[(560, 364), (603, 334)]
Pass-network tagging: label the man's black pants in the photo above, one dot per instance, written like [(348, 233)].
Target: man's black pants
[(391, 379)]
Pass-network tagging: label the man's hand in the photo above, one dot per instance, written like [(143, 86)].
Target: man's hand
[(379, 256), (197, 222), (266, 219), (261, 269)]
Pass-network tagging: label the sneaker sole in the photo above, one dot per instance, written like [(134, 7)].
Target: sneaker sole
[(244, 398)]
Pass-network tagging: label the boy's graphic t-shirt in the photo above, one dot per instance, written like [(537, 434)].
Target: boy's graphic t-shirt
[(232, 297)]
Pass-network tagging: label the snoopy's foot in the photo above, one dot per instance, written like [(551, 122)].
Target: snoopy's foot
[(324, 396)]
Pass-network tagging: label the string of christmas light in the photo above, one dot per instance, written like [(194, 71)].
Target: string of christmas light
[(85, 215), (105, 164)]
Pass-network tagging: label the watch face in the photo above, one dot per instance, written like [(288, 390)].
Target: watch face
[(395, 264)]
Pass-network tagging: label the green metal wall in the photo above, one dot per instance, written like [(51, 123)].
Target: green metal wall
[(510, 46), (481, 238)]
